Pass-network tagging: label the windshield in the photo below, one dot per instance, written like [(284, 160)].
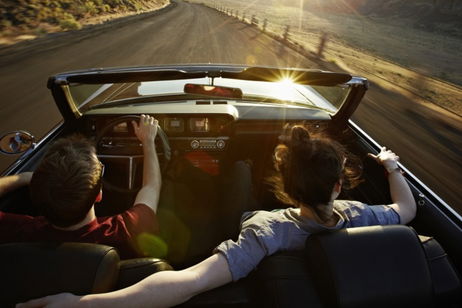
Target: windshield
[(87, 96)]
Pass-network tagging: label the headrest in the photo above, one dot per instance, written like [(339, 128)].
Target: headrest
[(377, 266), (31, 270)]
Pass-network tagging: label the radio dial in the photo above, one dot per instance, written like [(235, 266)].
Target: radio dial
[(195, 144), (221, 144)]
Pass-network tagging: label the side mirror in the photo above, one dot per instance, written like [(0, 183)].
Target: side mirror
[(16, 142)]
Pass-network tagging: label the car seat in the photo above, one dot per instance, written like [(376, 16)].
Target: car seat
[(377, 266), (31, 270)]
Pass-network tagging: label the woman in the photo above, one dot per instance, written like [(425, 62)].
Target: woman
[(311, 173)]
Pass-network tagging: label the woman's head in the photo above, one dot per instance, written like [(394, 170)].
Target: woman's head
[(309, 167)]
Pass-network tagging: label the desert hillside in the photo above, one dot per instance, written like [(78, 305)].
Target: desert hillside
[(26, 19), (437, 15), (391, 51), (407, 8)]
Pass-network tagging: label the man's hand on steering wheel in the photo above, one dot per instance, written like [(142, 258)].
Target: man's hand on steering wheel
[(146, 130)]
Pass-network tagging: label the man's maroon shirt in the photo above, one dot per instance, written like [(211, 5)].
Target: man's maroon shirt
[(119, 231)]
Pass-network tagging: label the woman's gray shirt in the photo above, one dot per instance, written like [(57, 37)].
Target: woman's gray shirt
[(263, 233)]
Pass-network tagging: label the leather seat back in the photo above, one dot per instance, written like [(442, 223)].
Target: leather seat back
[(284, 281), (31, 270), (377, 266), (447, 287)]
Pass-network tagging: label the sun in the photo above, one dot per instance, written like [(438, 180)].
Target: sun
[(286, 81)]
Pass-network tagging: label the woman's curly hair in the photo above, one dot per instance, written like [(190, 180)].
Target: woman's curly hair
[(308, 166)]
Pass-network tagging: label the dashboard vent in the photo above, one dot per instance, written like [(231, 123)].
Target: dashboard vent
[(202, 102), (220, 102)]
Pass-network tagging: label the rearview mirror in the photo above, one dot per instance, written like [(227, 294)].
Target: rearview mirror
[(16, 142), (209, 90)]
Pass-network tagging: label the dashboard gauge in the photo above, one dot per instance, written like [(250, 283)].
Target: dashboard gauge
[(174, 125), (199, 125)]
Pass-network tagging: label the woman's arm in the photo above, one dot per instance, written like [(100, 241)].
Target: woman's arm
[(401, 195), (162, 289), (12, 182)]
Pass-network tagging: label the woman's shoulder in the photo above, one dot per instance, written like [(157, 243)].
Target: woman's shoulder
[(265, 216), (357, 213), (269, 220), (341, 205)]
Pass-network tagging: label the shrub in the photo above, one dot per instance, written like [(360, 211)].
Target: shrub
[(68, 22), (90, 8), (29, 15), (40, 31), (105, 8)]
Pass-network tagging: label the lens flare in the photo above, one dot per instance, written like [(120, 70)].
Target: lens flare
[(152, 245)]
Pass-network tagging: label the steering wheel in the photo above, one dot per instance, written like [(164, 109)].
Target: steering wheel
[(109, 127)]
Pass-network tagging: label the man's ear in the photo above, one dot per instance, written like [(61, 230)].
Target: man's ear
[(99, 197)]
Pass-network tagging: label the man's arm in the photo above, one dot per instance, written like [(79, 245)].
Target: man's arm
[(12, 182), (162, 289), (401, 195), (146, 132)]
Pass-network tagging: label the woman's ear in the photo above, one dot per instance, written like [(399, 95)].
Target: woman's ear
[(99, 197), (338, 186), (279, 156), (337, 189)]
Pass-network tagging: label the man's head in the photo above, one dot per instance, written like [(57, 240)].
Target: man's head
[(67, 181)]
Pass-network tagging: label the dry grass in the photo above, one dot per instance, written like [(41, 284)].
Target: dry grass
[(28, 19)]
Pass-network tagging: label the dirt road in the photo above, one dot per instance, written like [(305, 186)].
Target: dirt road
[(187, 33)]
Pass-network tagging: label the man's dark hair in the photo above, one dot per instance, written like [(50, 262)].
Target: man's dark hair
[(67, 181), (308, 167)]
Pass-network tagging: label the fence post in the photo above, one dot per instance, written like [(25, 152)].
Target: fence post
[(322, 44), (285, 36), (254, 20)]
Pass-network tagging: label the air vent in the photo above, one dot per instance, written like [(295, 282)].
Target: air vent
[(220, 102), (202, 102)]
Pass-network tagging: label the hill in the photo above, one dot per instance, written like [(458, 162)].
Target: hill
[(25, 19), (433, 15)]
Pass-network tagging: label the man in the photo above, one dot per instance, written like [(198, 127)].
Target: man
[(67, 184), (262, 232)]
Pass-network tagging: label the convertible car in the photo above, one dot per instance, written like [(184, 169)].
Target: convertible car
[(210, 117)]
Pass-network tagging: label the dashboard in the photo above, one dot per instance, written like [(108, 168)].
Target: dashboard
[(205, 137), (179, 125), (186, 132)]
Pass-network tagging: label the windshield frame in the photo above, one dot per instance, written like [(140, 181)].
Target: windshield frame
[(70, 109)]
